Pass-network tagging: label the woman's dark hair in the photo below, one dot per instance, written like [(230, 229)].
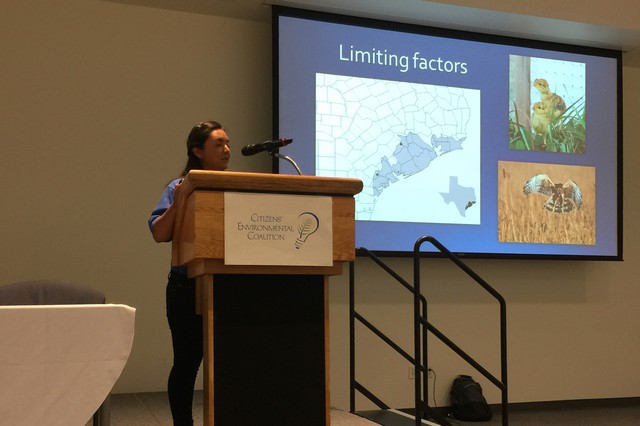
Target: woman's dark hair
[(196, 139)]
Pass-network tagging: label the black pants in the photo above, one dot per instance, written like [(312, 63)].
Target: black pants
[(186, 335)]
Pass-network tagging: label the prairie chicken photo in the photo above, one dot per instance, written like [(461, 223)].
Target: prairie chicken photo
[(533, 208)]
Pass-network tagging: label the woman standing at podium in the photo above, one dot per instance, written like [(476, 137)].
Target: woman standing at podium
[(207, 149)]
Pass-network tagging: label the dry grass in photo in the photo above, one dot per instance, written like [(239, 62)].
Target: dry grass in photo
[(523, 218)]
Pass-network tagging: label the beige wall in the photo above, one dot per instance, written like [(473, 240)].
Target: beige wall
[(96, 100), (614, 13)]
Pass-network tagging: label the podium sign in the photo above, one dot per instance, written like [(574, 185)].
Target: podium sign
[(277, 229)]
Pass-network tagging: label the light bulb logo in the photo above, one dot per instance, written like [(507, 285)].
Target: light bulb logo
[(308, 223)]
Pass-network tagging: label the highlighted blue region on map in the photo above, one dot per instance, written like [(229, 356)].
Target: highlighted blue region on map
[(412, 155)]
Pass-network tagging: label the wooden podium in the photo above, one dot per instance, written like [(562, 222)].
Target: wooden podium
[(266, 334)]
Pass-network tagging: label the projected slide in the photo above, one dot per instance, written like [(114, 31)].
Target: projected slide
[(497, 147), (416, 147)]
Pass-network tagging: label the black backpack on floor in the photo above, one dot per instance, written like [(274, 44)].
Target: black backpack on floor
[(467, 401)]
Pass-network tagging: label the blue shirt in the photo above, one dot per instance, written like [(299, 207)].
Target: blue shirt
[(165, 201), (163, 204)]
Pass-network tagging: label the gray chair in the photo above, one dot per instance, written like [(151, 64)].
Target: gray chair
[(56, 292)]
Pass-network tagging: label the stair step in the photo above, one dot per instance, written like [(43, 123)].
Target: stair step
[(392, 417)]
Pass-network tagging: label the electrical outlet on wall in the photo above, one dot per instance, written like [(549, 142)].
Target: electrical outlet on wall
[(412, 372)]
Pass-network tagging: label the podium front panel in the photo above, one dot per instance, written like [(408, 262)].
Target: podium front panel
[(270, 350)]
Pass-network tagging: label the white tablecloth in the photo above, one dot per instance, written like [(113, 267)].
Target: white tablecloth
[(59, 362)]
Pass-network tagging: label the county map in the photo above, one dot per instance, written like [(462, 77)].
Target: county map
[(416, 147)]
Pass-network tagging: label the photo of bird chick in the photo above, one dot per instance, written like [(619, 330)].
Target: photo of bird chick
[(547, 106), (553, 103), (540, 119)]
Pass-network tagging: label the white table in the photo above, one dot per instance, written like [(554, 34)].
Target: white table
[(58, 363)]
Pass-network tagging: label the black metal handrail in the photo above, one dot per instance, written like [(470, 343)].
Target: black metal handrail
[(421, 329), (353, 315), (420, 322)]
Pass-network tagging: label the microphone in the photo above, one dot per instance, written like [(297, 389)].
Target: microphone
[(265, 146)]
